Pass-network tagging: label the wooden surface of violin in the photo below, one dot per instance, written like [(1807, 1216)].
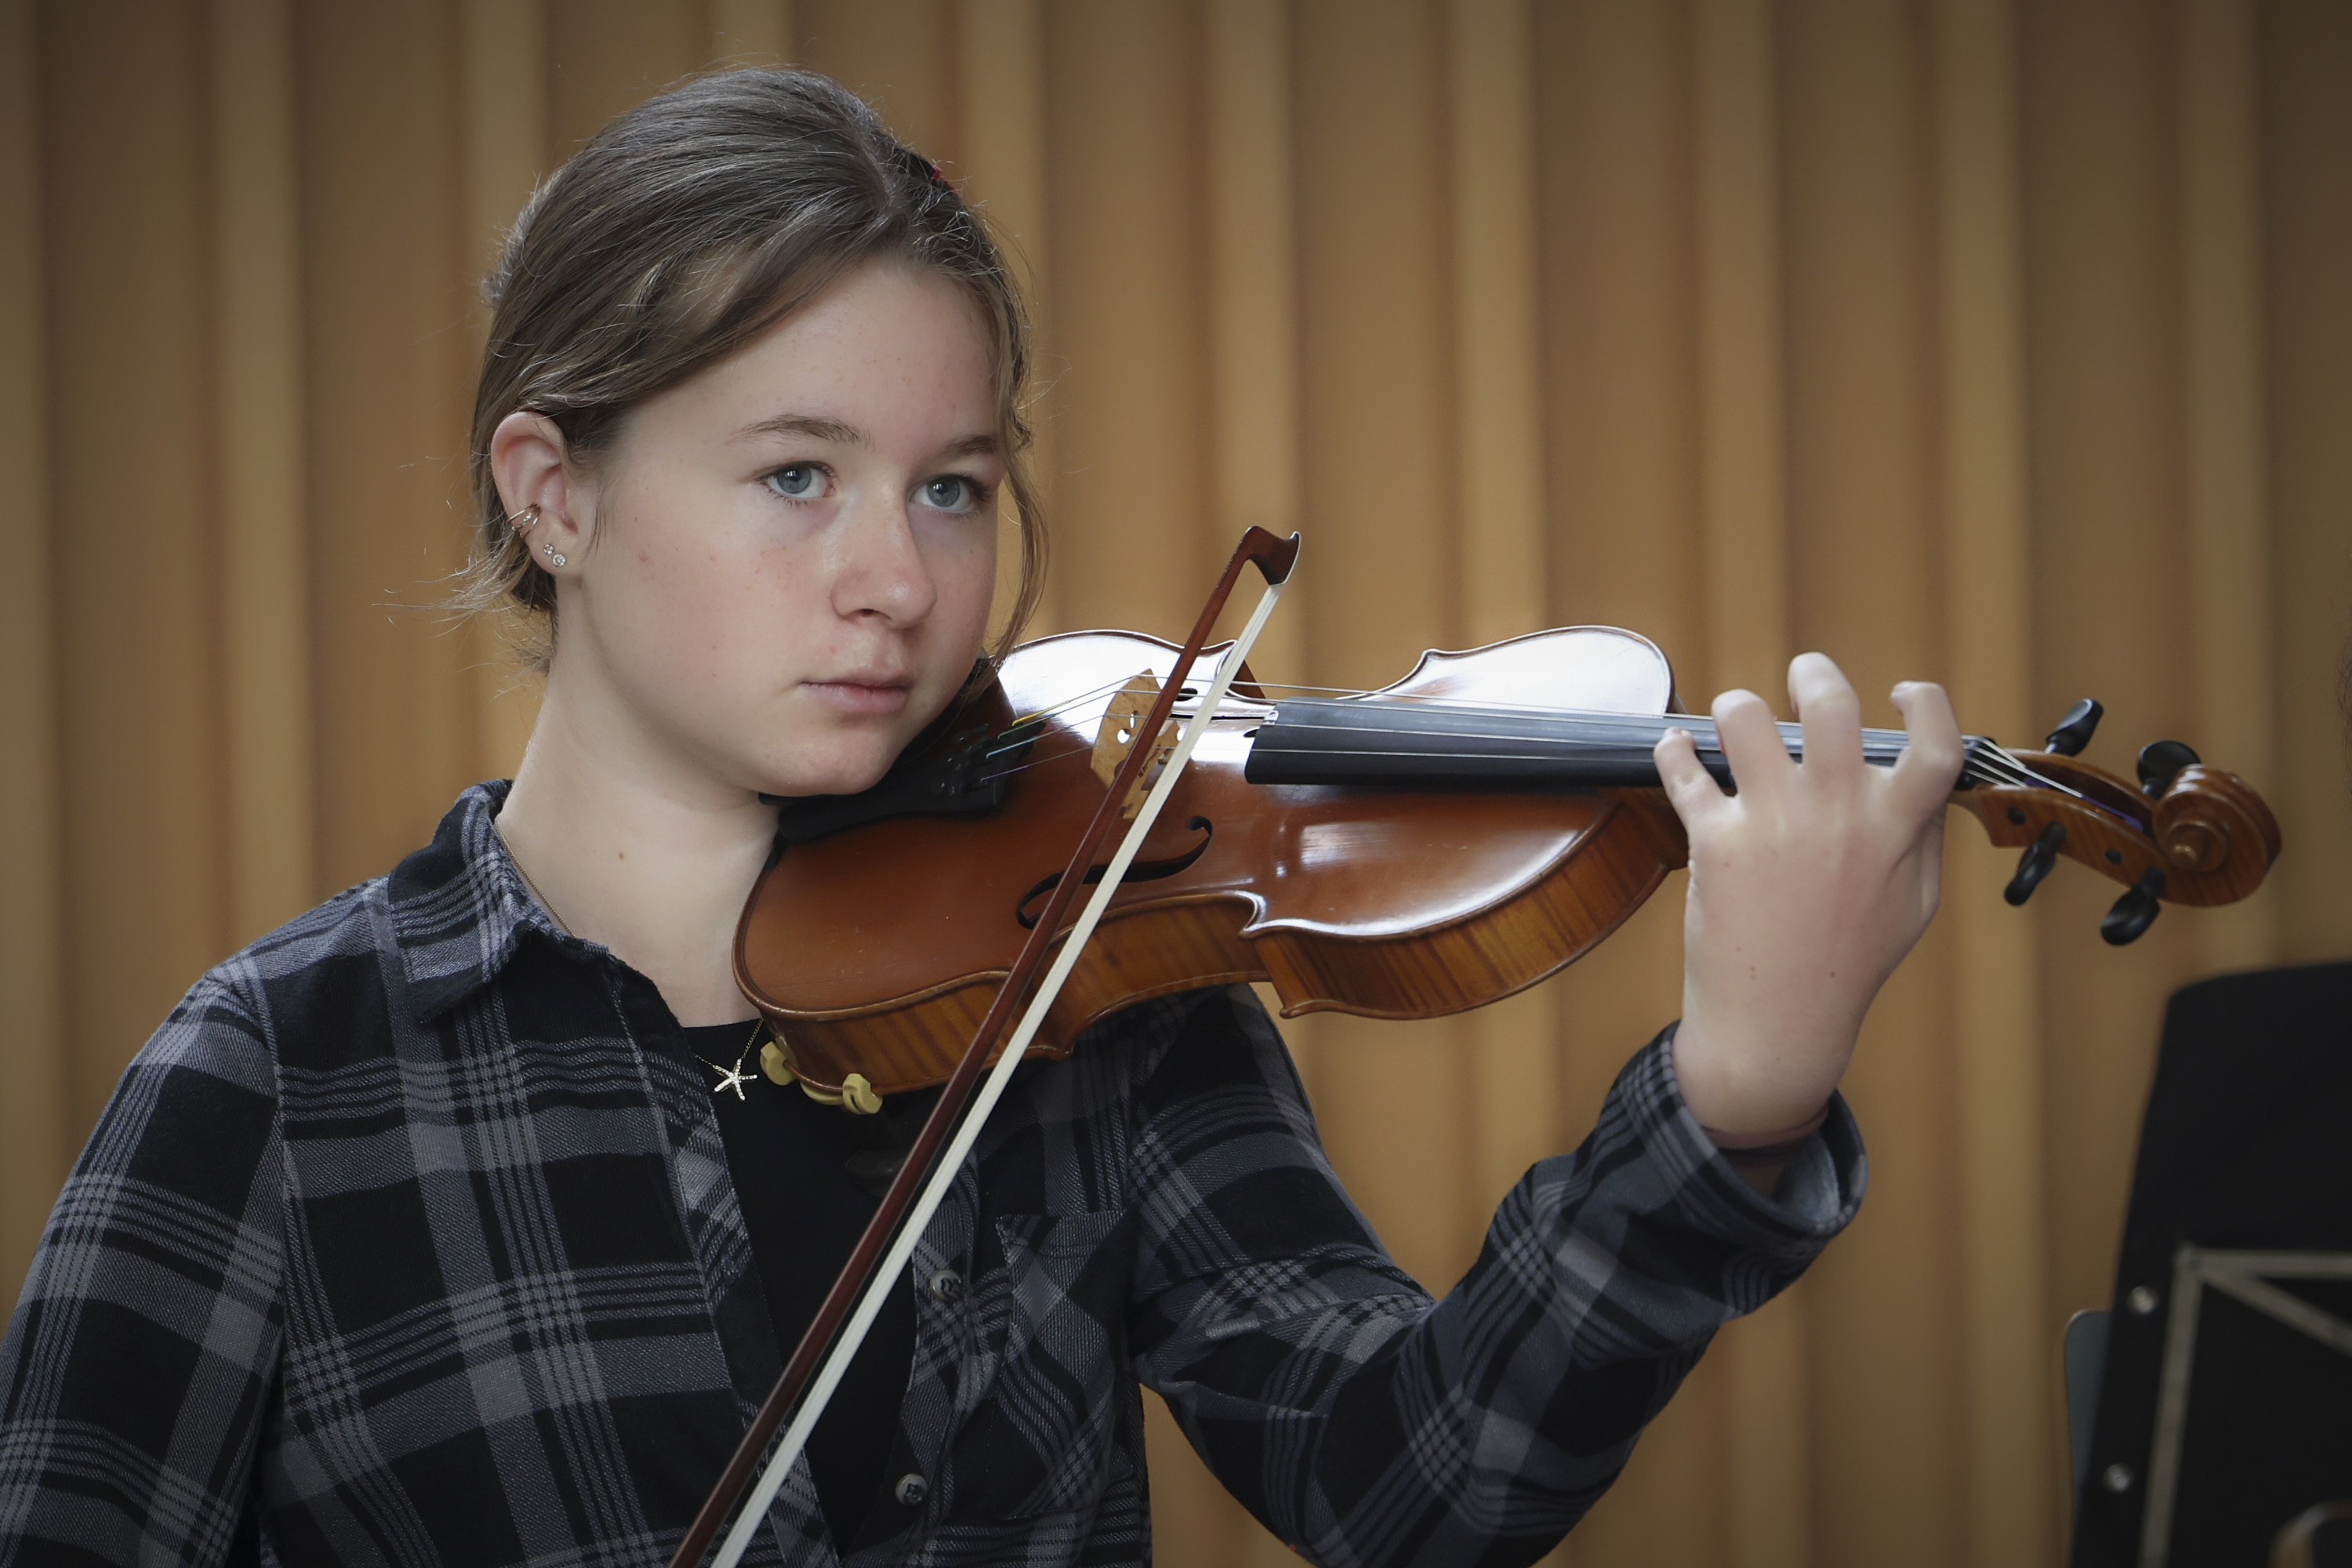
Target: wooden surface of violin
[(1393, 903), (2208, 833), (1418, 850)]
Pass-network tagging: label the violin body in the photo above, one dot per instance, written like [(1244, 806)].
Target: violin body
[(1409, 852), (1390, 903), (1462, 862)]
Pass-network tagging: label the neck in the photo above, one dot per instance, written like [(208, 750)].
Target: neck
[(628, 846), (1323, 741)]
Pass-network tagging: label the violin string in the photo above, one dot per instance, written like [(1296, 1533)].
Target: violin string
[(1056, 711), (1988, 765), (1383, 698), (2019, 774), (2005, 765), (1992, 761), (1035, 759), (1382, 695), (1619, 730), (1648, 724), (1344, 692), (1998, 760), (1589, 718), (1972, 776), (1988, 762), (1633, 721), (1477, 756), (1432, 701)]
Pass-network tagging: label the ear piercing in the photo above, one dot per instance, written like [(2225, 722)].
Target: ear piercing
[(523, 522)]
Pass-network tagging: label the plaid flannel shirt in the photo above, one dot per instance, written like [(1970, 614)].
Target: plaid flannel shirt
[(401, 1243)]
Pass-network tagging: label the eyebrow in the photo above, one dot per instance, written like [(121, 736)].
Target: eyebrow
[(818, 428), (814, 427)]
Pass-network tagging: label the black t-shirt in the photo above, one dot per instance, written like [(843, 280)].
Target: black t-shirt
[(809, 1176)]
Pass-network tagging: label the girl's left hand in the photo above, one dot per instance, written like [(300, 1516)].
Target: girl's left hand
[(1807, 888)]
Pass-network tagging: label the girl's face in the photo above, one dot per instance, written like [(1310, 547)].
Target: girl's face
[(791, 555)]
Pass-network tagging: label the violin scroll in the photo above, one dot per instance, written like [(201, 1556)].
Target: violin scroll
[(2206, 839), (2161, 762), (2212, 824)]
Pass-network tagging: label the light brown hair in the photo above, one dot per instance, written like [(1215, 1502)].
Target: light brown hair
[(679, 233)]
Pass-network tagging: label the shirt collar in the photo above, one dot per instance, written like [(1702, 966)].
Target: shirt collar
[(459, 907)]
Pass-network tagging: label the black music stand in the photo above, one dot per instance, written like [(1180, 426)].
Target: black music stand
[(2225, 1407)]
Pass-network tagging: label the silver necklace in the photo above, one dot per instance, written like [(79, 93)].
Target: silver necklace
[(733, 1078)]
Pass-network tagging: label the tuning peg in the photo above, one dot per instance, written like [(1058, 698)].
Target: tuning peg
[(2034, 864), (2075, 731), (2161, 762), (2135, 911)]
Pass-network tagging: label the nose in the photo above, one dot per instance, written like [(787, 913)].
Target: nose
[(879, 569)]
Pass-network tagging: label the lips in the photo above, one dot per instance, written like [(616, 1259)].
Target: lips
[(862, 691)]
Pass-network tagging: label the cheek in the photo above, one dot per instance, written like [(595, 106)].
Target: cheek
[(968, 597), (700, 611), (964, 574)]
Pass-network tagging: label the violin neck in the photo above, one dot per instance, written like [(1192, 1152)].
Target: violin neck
[(1325, 740)]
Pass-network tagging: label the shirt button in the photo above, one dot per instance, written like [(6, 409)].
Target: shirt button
[(947, 1286), (912, 1489)]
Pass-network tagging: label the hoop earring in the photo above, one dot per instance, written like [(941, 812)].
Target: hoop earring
[(524, 520), (549, 550)]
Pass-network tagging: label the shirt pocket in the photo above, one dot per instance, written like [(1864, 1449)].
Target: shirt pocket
[(1041, 1436)]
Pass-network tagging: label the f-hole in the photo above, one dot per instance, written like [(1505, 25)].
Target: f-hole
[(1141, 871)]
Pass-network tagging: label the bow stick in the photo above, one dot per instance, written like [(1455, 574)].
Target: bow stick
[(898, 1222)]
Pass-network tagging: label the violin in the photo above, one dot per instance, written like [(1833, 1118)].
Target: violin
[(1420, 850), (1424, 849)]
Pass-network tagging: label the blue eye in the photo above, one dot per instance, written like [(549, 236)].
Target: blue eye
[(798, 482), (950, 492)]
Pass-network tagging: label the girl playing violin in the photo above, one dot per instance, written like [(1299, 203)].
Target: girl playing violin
[(457, 1221)]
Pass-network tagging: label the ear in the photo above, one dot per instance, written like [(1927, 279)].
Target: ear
[(528, 459)]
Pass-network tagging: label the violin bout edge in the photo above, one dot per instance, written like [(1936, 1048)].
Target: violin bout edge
[(1492, 953)]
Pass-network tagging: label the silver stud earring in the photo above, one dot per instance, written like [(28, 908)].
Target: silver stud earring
[(550, 551)]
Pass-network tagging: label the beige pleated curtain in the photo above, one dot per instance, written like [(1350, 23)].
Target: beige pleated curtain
[(2006, 343)]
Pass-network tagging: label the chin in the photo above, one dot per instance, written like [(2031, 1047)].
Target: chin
[(851, 775), (838, 756)]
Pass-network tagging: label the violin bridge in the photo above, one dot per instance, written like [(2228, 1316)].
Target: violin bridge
[(1116, 736)]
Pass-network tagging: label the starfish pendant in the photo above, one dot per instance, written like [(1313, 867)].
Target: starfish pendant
[(733, 1078)]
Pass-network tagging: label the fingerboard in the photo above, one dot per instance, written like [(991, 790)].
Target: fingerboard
[(1323, 741)]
